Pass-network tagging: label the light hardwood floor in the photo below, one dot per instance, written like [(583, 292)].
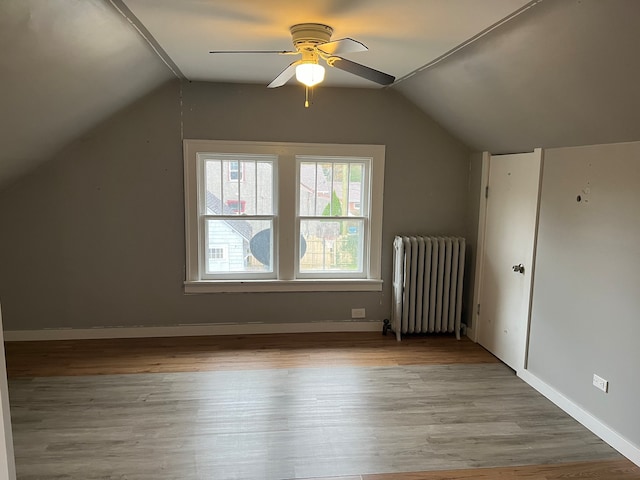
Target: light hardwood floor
[(345, 406), (198, 354)]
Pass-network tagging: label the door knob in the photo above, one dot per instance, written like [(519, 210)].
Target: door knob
[(518, 268)]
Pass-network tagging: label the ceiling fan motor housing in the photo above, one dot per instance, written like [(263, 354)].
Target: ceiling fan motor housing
[(309, 35)]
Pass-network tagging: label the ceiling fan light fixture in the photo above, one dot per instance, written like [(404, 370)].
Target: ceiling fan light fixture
[(310, 74)]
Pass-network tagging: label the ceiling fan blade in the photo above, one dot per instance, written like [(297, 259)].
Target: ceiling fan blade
[(361, 71), (344, 45), (284, 76), (281, 52)]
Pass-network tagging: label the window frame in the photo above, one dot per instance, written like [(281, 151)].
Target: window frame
[(286, 222)]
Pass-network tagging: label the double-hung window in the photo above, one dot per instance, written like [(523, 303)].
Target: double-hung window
[(282, 216)]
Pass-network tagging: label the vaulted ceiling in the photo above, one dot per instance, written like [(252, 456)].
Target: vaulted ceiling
[(501, 75)]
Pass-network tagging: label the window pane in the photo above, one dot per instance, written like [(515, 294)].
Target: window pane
[(356, 187), (315, 189), (307, 196), (238, 246), (331, 245), (264, 188), (235, 172), (231, 186), (324, 174), (340, 191), (213, 186), (248, 189)]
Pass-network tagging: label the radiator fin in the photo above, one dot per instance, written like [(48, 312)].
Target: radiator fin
[(428, 276)]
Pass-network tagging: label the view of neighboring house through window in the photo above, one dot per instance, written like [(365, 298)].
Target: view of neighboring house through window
[(218, 258), (283, 212), (235, 171)]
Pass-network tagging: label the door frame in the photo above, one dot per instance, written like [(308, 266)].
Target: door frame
[(7, 458), (480, 252), (472, 332)]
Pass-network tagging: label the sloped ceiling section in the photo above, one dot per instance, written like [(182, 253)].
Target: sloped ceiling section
[(563, 73), (64, 66)]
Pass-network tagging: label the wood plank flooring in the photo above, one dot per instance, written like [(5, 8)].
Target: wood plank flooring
[(340, 406), (197, 354), (612, 469)]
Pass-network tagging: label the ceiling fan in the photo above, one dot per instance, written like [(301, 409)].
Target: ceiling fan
[(312, 42)]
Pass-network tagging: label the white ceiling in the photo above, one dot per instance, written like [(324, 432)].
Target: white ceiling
[(402, 35)]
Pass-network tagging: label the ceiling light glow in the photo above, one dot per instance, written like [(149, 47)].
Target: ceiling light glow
[(310, 74)]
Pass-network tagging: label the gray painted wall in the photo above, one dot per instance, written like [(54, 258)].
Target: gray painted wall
[(95, 237), (585, 298), (563, 73)]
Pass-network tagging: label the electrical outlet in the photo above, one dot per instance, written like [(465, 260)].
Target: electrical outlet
[(600, 383), (358, 313)]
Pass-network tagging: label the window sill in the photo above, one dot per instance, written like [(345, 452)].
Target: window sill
[(243, 286)]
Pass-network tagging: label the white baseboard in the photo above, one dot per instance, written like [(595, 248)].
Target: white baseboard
[(190, 330), (606, 433)]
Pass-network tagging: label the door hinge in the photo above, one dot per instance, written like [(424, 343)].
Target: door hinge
[(478, 310), (486, 192)]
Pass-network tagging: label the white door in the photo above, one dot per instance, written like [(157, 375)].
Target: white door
[(507, 264)]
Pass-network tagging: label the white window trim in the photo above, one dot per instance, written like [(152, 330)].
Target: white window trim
[(285, 190)]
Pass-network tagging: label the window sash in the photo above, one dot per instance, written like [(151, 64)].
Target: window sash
[(342, 274), (237, 275), (364, 200), (242, 184), (365, 182), (231, 218)]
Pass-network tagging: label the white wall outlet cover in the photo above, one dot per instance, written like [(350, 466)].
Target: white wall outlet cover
[(600, 383), (358, 313)]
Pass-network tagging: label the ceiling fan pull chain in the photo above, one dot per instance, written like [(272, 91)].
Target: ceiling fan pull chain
[(306, 97)]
